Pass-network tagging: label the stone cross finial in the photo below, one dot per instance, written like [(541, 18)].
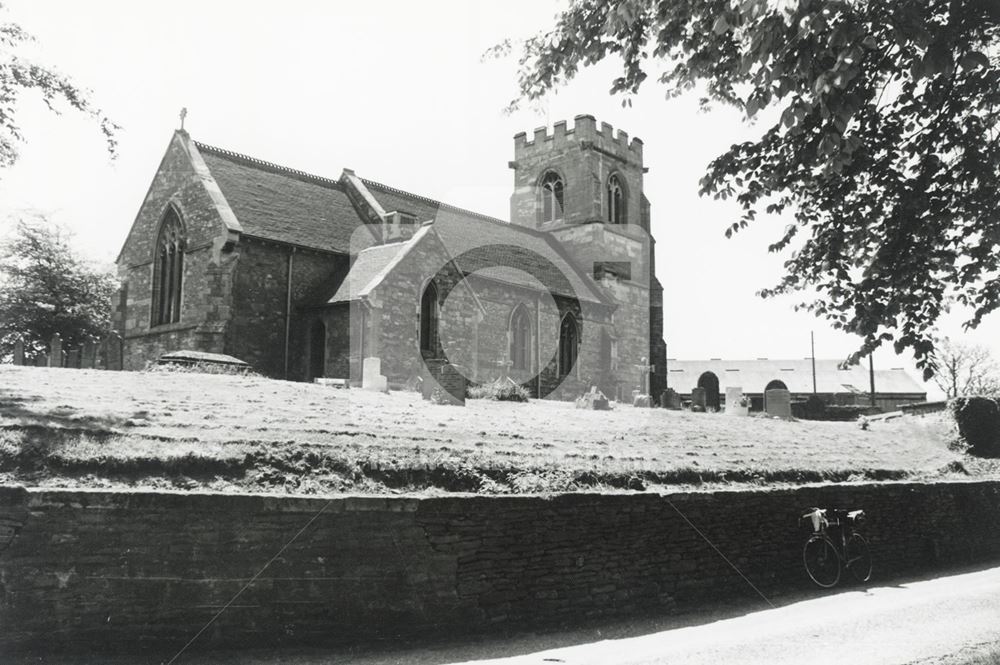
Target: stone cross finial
[(184, 113), (504, 364)]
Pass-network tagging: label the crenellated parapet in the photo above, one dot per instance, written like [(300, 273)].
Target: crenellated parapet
[(585, 133)]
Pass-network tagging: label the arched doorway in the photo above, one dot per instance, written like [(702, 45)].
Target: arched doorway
[(317, 350), (710, 382), (776, 384), (569, 341)]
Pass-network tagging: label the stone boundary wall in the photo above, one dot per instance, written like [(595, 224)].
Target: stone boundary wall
[(130, 570)]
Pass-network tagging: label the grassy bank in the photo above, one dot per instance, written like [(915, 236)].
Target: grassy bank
[(62, 427)]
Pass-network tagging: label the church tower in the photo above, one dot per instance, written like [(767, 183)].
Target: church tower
[(584, 187)]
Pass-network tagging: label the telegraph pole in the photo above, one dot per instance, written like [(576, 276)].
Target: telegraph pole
[(812, 345), (871, 377)]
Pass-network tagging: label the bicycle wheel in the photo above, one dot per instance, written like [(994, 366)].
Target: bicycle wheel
[(858, 557), (822, 561)]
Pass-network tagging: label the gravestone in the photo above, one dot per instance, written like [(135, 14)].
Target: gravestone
[(18, 352), (371, 376), (778, 402), (698, 399), (55, 351), (88, 357), (643, 401), (593, 400), (642, 397), (73, 359), (735, 405), (669, 399), (451, 387), (42, 360), (112, 352)]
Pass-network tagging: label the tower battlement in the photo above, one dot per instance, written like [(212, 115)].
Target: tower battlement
[(585, 133)]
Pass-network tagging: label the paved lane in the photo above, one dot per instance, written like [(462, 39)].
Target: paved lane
[(922, 622)]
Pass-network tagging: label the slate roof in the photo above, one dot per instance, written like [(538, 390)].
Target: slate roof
[(370, 267), (461, 230), (282, 204), (754, 375)]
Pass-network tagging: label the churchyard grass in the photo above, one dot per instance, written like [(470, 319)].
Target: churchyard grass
[(83, 428)]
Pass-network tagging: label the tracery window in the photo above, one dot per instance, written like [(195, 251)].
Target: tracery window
[(616, 200), (520, 339), (552, 197), (168, 270)]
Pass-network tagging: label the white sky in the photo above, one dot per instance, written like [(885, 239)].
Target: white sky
[(397, 91)]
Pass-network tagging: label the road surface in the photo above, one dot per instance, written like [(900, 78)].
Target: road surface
[(921, 622)]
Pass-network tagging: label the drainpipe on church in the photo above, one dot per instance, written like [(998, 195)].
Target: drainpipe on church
[(538, 347), (288, 307)]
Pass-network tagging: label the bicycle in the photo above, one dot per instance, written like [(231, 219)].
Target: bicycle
[(836, 544)]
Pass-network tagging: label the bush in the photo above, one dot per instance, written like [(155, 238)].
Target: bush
[(978, 420), (502, 391)]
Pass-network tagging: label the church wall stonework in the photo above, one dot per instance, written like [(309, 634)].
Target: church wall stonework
[(208, 263), (256, 332), (396, 313), (585, 156)]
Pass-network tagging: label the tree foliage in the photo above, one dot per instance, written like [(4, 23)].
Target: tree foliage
[(19, 75), (964, 370), (45, 288), (884, 143)]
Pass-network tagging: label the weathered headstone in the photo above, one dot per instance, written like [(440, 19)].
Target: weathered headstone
[(735, 403), (113, 352), (73, 358), (698, 399), (88, 357), (669, 399), (55, 351), (452, 386), (42, 360), (593, 400), (19, 352), (778, 402), (371, 376)]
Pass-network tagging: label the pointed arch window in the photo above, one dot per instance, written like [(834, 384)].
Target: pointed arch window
[(552, 197), (168, 270), (429, 315), (616, 200), (569, 343), (520, 339)]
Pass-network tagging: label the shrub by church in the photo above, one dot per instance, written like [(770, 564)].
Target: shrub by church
[(304, 276)]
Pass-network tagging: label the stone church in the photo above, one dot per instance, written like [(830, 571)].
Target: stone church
[(304, 276)]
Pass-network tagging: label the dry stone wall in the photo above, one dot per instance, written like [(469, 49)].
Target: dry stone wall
[(127, 570)]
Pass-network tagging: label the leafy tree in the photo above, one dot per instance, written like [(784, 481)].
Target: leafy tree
[(965, 370), (882, 139), (19, 75), (45, 288)]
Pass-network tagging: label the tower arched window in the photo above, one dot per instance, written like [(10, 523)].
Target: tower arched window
[(168, 270), (552, 197), (616, 200), (520, 339), (569, 343), (429, 315)]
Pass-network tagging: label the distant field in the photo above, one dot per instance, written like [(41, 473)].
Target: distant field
[(63, 427)]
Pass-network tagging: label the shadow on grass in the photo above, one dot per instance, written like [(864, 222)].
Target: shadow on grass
[(20, 410)]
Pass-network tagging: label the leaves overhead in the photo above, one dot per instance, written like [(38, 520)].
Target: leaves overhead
[(19, 76), (45, 288), (884, 148)]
